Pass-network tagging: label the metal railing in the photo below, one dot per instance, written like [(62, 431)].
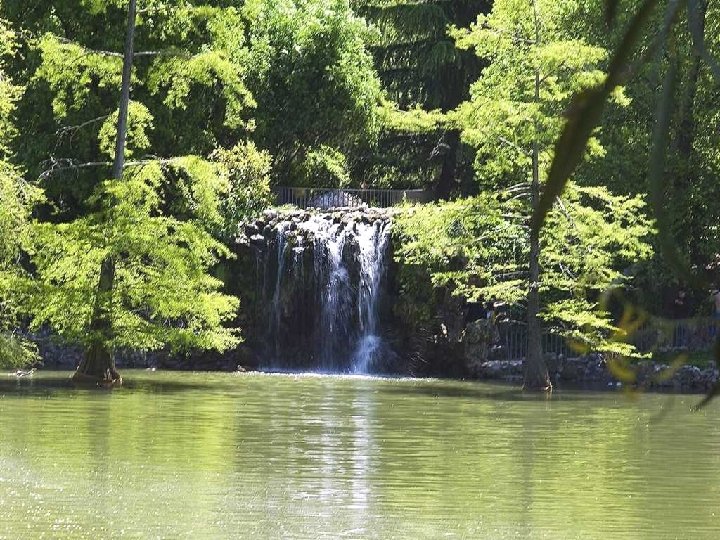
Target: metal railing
[(305, 197), (696, 334), (513, 342)]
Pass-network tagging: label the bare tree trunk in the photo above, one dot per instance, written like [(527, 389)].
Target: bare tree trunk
[(687, 220), (535, 372), (98, 364), (448, 173), (124, 95)]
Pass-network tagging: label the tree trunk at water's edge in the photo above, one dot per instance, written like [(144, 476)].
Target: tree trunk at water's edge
[(535, 370), (98, 363)]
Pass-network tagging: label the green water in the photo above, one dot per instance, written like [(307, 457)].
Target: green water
[(180, 455)]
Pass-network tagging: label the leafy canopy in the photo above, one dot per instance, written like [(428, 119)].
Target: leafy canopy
[(16, 200), (159, 223), (478, 248), (163, 294), (503, 118)]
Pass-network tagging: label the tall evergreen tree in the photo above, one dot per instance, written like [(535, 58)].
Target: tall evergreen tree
[(422, 71)]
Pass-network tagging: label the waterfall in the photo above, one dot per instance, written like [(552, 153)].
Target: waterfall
[(281, 254), (372, 244), (326, 272)]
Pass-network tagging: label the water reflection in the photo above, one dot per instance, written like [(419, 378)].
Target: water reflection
[(224, 456)]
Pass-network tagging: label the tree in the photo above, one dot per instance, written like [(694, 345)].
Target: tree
[(629, 58), (128, 267), (535, 66), (316, 90), (16, 201), (478, 248), (692, 167), (424, 75)]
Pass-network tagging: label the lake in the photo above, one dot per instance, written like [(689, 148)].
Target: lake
[(213, 455)]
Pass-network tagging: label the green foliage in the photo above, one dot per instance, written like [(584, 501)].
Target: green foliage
[(478, 249), (189, 87), (424, 76), (163, 294), (176, 76), (16, 201), (415, 120), (503, 111), (674, 42), (247, 172), (139, 123), (158, 224), (459, 242), (71, 71), (325, 166), (417, 59), (312, 78)]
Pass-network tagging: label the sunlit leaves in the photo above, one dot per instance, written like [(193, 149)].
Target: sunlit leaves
[(312, 77), (17, 198), (140, 122), (415, 120), (163, 293), (246, 171), (585, 112), (176, 76), (478, 248), (503, 118), (325, 166), (72, 70)]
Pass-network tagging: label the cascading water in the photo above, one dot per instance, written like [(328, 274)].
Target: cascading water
[(326, 273), (282, 247), (372, 243)]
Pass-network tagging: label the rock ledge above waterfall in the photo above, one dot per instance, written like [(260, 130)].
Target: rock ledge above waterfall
[(303, 224)]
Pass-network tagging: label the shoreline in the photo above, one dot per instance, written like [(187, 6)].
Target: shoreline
[(590, 373)]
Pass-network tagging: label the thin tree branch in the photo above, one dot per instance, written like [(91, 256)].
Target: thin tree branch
[(66, 164), (61, 132), (511, 35), (101, 52), (515, 146)]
